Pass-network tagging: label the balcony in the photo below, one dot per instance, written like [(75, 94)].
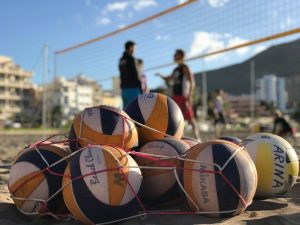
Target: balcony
[(15, 84), (19, 72)]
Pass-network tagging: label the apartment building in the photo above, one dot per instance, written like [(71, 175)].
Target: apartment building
[(15, 89)]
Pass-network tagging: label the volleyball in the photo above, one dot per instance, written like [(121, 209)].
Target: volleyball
[(276, 163), (158, 112), (101, 184), (220, 178), (191, 141), (160, 185), (32, 182), (103, 125), (234, 140)]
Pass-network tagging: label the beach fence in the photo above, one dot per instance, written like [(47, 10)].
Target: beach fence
[(213, 34)]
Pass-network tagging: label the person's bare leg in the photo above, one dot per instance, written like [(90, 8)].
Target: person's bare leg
[(195, 128)]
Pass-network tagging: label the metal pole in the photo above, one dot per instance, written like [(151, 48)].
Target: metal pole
[(252, 90), (55, 66), (204, 91), (45, 71)]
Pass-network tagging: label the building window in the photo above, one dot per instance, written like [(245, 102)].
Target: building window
[(66, 100)]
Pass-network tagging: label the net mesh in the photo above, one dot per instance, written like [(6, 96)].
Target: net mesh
[(198, 27), (161, 162)]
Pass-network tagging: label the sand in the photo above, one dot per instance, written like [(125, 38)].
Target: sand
[(284, 210)]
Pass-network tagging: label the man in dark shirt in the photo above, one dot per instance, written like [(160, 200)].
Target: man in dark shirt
[(130, 80)]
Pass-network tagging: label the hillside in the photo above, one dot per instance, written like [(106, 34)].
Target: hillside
[(282, 60)]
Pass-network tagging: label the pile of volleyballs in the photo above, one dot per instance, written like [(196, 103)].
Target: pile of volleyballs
[(120, 162)]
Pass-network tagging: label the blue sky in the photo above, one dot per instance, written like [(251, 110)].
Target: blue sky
[(202, 27)]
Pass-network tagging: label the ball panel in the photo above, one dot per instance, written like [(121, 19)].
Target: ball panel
[(134, 111), (91, 207), (21, 170), (146, 104), (69, 198), (109, 119), (92, 117), (150, 189), (116, 181), (25, 186), (175, 119), (190, 141), (160, 110), (41, 192), (227, 198), (91, 161), (247, 189), (86, 136), (134, 178), (124, 125), (196, 178)]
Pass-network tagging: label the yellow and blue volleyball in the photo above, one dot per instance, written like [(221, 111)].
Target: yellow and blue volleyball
[(103, 125), (101, 184), (219, 178), (31, 184), (156, 111), (276, 163), (160, 185)]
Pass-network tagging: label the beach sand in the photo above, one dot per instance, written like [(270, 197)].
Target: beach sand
[(284, 210)]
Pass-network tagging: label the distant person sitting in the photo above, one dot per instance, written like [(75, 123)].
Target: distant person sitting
[(140, 66), (183, 85), (218, 112), (130, 80), (281, 126)]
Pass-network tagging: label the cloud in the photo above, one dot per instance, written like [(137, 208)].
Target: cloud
[(162, 37), (259, 49), (286, 23), (117, 6), (102, 20), (207, 42), (142, 4), (236, 41), (217, 3), (137, 5), (181, 1), (120, 26)]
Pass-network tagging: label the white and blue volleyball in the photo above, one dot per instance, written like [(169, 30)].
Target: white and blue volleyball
[(101, 185)]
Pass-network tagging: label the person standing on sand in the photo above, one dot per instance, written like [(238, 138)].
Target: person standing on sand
[(129, 76), (218, 112), (183, 84)]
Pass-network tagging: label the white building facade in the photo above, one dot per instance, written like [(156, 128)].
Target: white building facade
[(272, 89)]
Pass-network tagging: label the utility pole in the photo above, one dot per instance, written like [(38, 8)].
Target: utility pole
[(45, 71), (252, 90), (204, 91)]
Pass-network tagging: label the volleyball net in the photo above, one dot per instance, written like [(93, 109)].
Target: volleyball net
[(213, 33)]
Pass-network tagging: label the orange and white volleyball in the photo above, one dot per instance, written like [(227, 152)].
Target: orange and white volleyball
[(103, 125), (219, 178), (158, 112), (31, 184)]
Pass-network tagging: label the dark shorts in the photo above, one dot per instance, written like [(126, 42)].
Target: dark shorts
[(185, 106), (219, 119)]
